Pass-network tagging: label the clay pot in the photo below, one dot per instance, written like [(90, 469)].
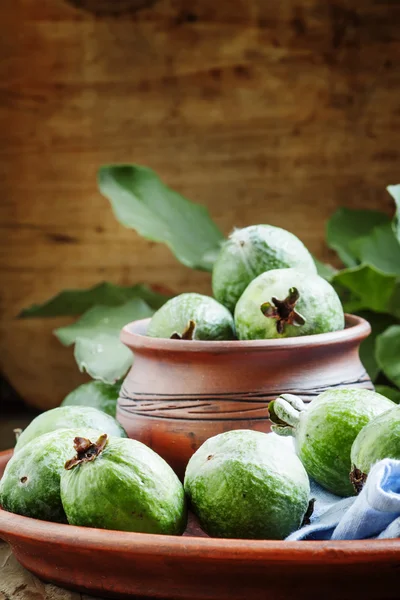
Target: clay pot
[(179, 393)]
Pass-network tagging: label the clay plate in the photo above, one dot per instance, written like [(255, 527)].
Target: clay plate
[(193, 567)]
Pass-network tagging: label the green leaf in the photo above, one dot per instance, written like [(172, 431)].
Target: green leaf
[(390, 392), (394, 191), (379, 322), (388, 353), (103, 357), (104, 319), (98, 350), (324, 270), (394, 304), (369, 288), (380, 248), (96, 394), (76, 302), (346, 225), (141, 201)]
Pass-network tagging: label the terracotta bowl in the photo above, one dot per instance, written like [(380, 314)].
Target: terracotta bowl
[(195, 567), (179, 393)]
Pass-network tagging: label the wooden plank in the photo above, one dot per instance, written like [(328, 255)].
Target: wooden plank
[(264, 114)]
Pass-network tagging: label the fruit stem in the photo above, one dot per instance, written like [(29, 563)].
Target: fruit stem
[(358, 479), (284, 412), (309, 512), (86, 450), (284, 311), (188, 333), (17, 432)]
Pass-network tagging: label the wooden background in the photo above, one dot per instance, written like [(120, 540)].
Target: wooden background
[(265, 111)]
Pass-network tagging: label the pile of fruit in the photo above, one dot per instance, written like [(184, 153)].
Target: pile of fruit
[(75, 465), (265, 285)]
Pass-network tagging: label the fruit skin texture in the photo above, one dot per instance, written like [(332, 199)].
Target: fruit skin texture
[(318, 304), (41, 462), (325, 431), (379, 439), (250, 251), (213, 321), (66, 417), (128, 487), (246, 484)]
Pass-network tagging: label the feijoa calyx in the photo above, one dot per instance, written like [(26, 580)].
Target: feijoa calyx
[(325, 431), (251, 251), (247, 484), (30, 485), (67, 417), (121, 484), (379, 439), (287, 303), (192, 317)]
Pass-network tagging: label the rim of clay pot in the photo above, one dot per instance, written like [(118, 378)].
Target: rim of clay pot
[(133, 335)]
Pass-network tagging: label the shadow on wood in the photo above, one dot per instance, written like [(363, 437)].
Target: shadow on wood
[(114, 8)]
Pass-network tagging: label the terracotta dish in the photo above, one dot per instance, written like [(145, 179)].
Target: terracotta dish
[(196, 567), (179, 393)]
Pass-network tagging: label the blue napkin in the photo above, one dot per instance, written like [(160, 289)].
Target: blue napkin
[(375, 513)]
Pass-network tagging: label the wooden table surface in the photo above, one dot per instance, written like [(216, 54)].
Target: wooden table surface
[(16, 583)]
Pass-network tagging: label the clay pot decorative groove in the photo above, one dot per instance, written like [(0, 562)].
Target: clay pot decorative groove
[(178, 393)]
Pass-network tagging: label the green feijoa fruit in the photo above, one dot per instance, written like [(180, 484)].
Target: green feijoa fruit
[(286, 303), (251, 251), (121, 484), (30, 485), (247, 484), (379, 439), (325, 431), (65, 417), (103, 396), (192, 317)]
